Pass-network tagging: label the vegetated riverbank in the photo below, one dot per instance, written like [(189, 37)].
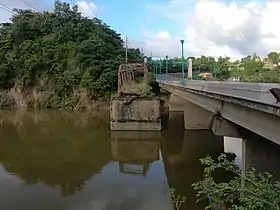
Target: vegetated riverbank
[(59, 59), (78, 100)]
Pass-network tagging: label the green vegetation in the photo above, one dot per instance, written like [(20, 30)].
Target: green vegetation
[(248, 69), (58, 59), (177, 200), (141, 87), (248, 190)]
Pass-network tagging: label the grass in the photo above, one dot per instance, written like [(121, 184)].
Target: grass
[(141, 88)]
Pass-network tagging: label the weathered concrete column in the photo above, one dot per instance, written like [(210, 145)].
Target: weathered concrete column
[(223, 127), (176, 104), (165, 97), (166, 100), (131, 114), (263, 155), (196, 117)]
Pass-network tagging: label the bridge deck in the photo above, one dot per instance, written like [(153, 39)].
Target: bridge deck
[(254, 92)]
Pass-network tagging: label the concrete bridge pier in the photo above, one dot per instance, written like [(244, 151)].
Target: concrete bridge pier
[(165, 97), (196, 117), (223, 127)]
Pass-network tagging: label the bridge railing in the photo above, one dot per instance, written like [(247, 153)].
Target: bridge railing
[(250, 91)]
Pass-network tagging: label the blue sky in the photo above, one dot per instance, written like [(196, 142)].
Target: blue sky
[(130, 17), (209, 27)]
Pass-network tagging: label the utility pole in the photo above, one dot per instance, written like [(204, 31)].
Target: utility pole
[(126, 41)]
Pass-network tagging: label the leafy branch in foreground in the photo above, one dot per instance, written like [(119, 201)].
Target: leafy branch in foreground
[(177, 200), (248, 190)]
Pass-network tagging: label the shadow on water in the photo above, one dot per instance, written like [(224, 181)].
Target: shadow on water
[(181, 152)]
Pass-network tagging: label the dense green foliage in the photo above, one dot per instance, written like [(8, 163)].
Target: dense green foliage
[(250, 68), (60, 54), (248, 190)]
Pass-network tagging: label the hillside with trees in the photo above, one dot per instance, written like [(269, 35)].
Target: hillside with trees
[(59, 58), (248, 69)]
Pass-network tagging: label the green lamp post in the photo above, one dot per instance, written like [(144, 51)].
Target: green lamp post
[(166, 67), (183, 64)]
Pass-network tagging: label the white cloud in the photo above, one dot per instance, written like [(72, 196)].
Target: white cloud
[(215, 28), (88, 8)]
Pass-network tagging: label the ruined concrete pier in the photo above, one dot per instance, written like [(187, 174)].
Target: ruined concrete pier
[(128, 113)]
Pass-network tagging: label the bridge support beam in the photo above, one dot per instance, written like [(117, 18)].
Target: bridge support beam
[(196, 118), (249, 115), (222, 127), (176, 104), (165, 97)]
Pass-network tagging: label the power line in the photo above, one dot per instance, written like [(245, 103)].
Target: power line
[(6, 8), (79, 8), (126, 42), (28, 4), (94, 11)]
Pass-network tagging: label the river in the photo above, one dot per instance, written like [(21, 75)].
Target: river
[(53, 160)]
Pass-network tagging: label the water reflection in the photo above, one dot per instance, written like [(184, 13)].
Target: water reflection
[(52, 149), (64, 161), (181, 155), (135, 151), (57, 160)]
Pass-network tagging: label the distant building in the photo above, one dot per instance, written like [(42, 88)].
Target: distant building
[(206, 75), (259, 59)]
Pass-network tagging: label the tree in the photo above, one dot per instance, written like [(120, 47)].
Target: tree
[(223, 68), (248, 190), (56, 52), (274, 57)]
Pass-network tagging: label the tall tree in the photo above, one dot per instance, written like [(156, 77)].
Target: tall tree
[(274, 57), (60, 51)]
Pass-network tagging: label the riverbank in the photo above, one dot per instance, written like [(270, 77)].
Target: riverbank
[(17, 98)]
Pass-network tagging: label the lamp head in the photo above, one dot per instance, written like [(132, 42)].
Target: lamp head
[(182, 41)]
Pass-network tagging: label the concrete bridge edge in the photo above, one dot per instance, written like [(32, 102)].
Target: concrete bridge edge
[(261, 123)]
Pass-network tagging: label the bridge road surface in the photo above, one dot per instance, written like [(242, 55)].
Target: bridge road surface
[(254, 92)]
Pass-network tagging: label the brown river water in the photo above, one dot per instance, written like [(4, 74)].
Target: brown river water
[(53, 160)]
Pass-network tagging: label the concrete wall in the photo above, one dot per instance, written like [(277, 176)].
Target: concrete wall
[(136, 115)]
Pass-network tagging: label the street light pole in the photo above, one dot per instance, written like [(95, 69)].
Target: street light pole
[(183, 70), (166, 70), (215, 68)]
